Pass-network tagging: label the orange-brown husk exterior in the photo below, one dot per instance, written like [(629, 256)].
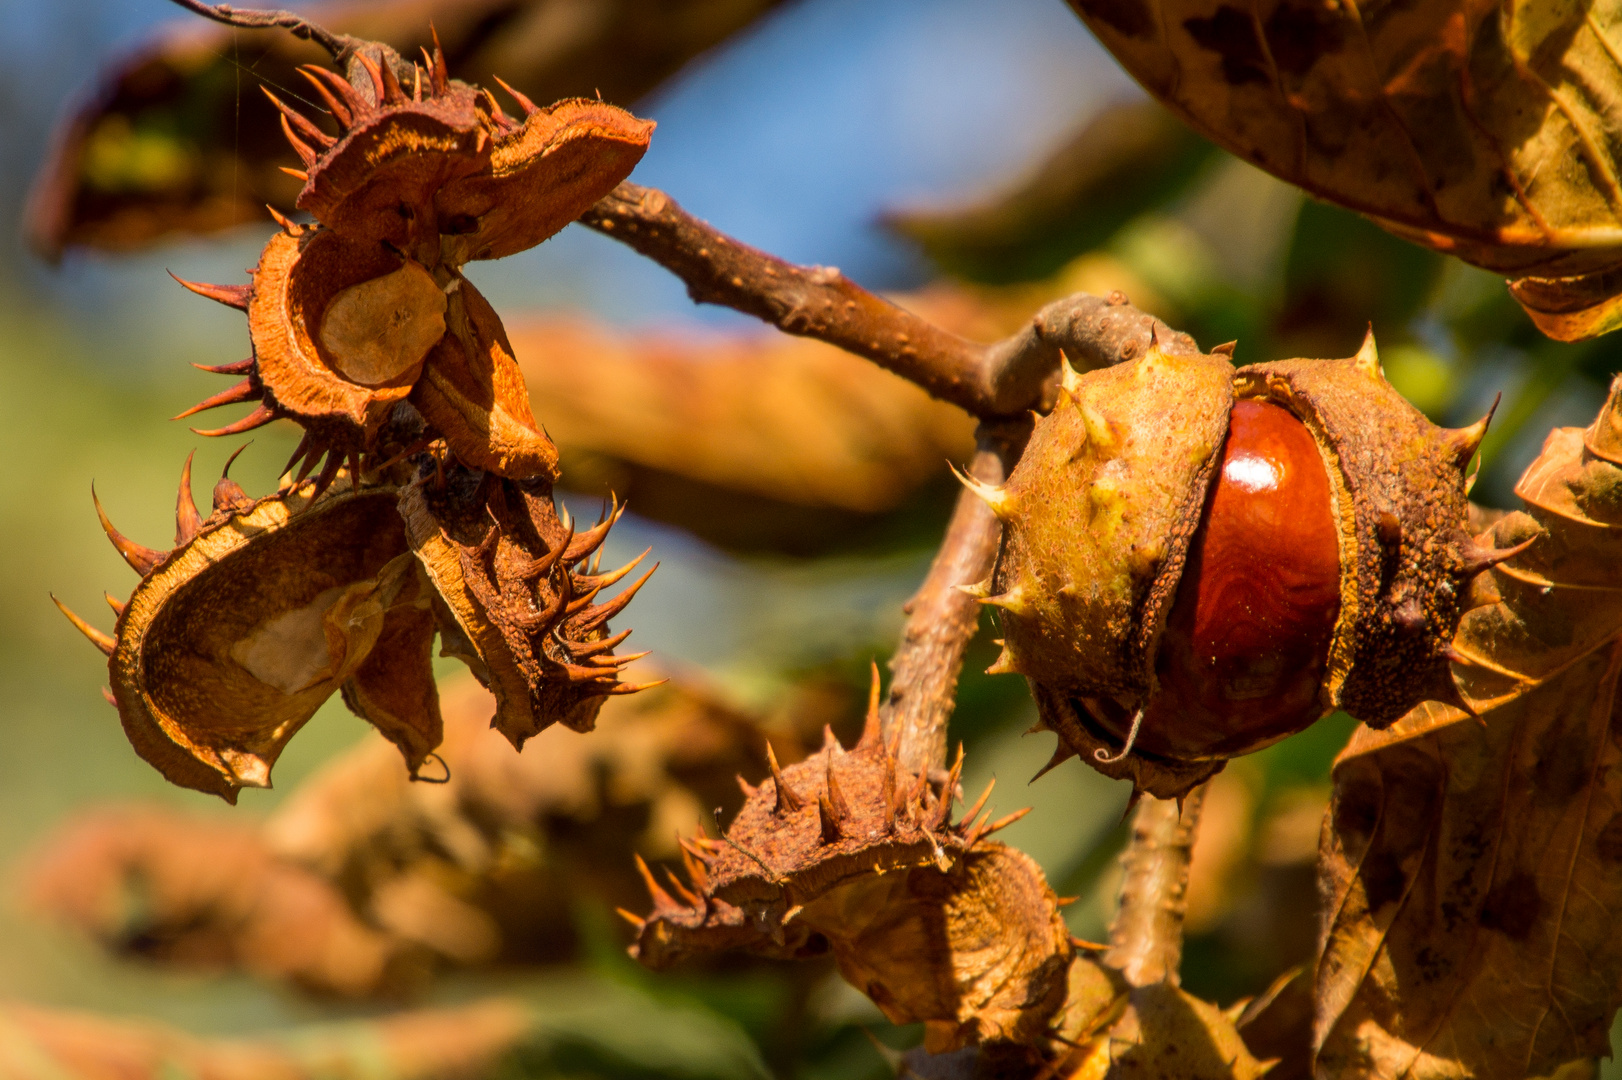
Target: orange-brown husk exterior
[(299, 276), (378, 181), (540, 177), (236, 637), (473, 394)]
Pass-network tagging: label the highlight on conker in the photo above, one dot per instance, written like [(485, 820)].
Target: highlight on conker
[(1199, 560)]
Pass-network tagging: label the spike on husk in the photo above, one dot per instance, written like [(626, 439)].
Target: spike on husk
[(1465, 441), (141, 559), (188, 522), (996, 498), (105, 642), (236, 296)]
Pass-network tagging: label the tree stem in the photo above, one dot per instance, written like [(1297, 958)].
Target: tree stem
[(941, 619), (999, 380), (1146, 936)]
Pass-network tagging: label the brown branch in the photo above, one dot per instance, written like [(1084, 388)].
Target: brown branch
[(258, 19), (941, 619), (1146, 936), (997, 380)]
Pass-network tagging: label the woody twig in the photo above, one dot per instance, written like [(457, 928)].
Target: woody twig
[(996, 380)]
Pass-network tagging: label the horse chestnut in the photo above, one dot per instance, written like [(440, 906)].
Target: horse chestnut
[(1199, 560)]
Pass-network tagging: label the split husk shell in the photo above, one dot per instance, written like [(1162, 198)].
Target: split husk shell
[(1101, 510), (235, 638)]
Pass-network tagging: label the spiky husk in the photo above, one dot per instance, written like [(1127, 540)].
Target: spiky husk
[(442, 173), (233, 639), (377, 181), (513, 600), (847, 852), (1099, 513)]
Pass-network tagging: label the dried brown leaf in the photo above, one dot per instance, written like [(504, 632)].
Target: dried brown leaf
[(1471, 865), (747, 440), (364, 883), (1483, 131)]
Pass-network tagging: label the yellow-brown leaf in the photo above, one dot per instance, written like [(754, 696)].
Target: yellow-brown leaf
[(1472, 866), (1483, 130)]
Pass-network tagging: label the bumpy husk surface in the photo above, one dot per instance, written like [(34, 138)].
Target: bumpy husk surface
[(846, 852), (234, 640), (511, 600), (1098, 517)]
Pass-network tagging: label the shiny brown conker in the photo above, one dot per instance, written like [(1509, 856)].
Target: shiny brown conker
[(1246, 643)]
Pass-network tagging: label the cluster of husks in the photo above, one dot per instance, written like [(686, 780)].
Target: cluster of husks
[(1199, 560), (432, 509)]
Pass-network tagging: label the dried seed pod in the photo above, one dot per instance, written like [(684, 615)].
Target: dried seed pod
[(513, 601), (442, 173), (1179, 589), (848, 852), (831, 819), (236, 637)]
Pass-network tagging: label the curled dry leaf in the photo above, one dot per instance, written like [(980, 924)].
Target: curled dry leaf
[(1481, 131), (516, 598), (426, 1044), (235, 638), (171, 141), (748, 440), (847, 852), (1472, 864)]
